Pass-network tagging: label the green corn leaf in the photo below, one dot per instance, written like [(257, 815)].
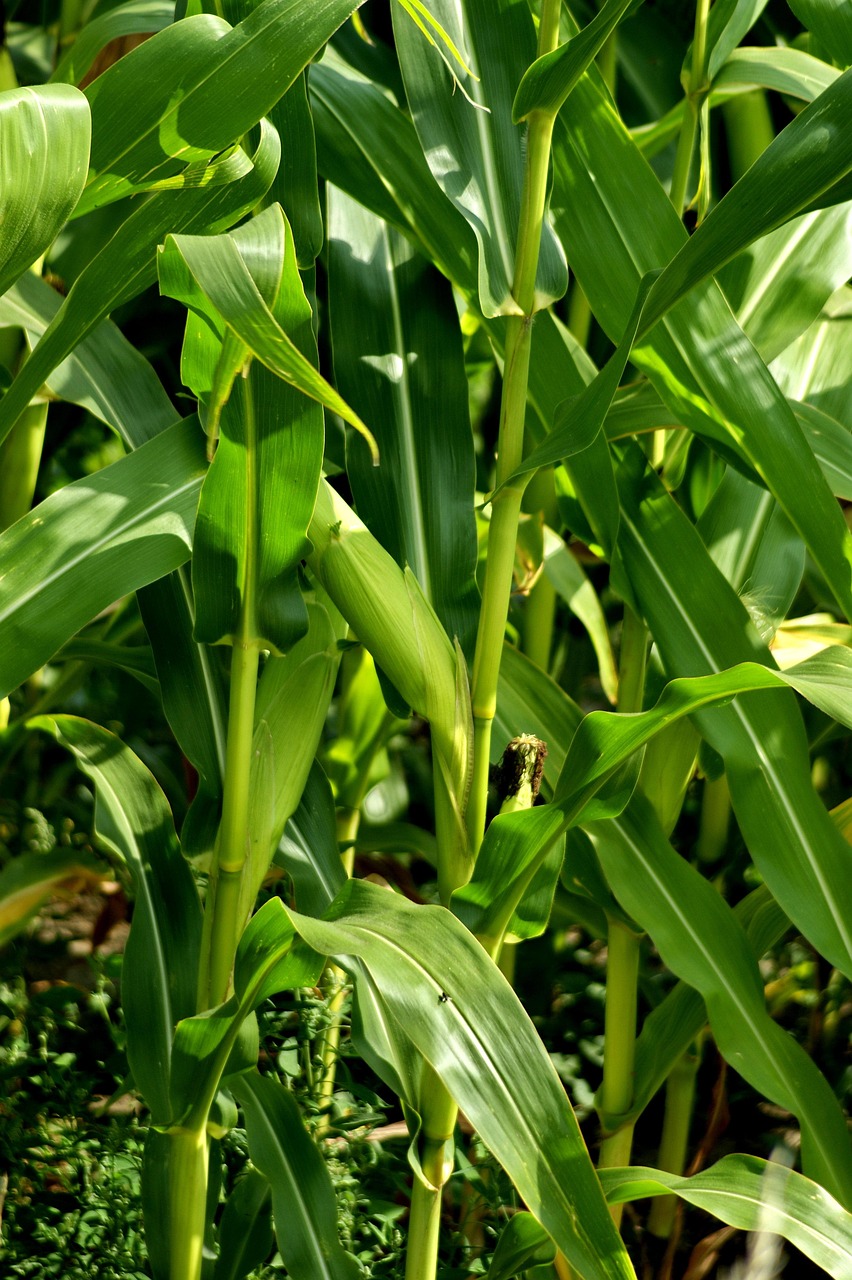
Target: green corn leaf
[(44, 156), (817, 368), (699, 939), (367, 147), (215, 275), (793, 841), (790, 71), (698, 359), (104, 374), (486, 1052), (136, 17), (830, 21), (295, 184), (567, 576), (92, 542), (755, 1196), (303, 1201), (778, 287), (190, 683), (292, 704), (136, 660), (523, 1243), (245, 1229), (158, 977), (752, 543), (473, 134), (195, 89), (550, 79), (815, 147), (269, 429), (727, 24), (127, 264), (309, 848), (401, 367)]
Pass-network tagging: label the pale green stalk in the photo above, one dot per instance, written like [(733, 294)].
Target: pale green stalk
[(748, 129), (680, 1097), (540, 611), (187, 1176), (506, 506), (222, 916), (622, 971), (622, 975), (714, 821), (335, 981), (696, 90)]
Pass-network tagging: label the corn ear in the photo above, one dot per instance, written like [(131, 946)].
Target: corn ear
[(387, 610)]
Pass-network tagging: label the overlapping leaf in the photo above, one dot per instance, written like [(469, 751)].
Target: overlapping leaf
[(401, 368)]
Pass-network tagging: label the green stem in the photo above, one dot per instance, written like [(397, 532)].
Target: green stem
[(540, 611), (748, 129), (435, 1150), (232, 841), (506, 506), (579, 314), (224, 910), (335, 981), (20, 458), (715, 818), (631, 666), (695, 93), (187, 1181), (622, 972), (680, 1097)]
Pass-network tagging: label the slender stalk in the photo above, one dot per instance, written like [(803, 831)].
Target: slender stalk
[(619, 1045), (232, 842), (622, 948), (438, 1114), (540, 611), (715, 819), (222, 915), (748, 129), (335, 981), (695, 92), (680, 1097), (506, 506), (579, 314)]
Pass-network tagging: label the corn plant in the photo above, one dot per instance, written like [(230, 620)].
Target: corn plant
[(496, 192)]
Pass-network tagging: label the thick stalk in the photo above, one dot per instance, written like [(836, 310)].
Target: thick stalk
[(506, 506), (680, 1097), (20, 458), (187, 1179), (695, 91)]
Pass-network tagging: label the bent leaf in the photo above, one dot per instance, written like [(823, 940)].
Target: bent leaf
[(92, 542), (44, 158), (158, 977), (754, 1195), (486, 1051)]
